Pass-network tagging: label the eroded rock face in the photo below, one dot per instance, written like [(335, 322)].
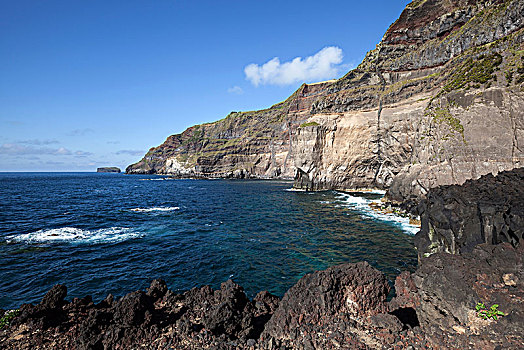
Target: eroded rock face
[(488, 210)]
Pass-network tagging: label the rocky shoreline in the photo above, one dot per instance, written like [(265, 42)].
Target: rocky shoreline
[(343, 307)]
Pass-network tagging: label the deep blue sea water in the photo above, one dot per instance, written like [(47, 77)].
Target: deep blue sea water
[(114, 233)]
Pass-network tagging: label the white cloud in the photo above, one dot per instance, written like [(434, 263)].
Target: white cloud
[(17, 149), (235, 90), (62, 151), (325, 64)]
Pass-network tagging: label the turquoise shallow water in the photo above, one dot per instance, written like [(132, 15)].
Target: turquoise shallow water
[(113, 233)]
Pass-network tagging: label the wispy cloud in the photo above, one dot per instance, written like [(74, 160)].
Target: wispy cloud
[(62, 151), (113, 142), (235, 90), (12, 122), (37, 142), (325, 64), (17, 149), (80, 132), (131, 152), (82, 154)]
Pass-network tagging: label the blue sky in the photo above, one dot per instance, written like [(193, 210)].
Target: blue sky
[(97, 83)]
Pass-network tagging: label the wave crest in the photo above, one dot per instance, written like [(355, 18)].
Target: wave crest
[(76, 235), (148, 210)]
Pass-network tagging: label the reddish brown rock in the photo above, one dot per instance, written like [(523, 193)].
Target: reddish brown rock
[(326, 308)]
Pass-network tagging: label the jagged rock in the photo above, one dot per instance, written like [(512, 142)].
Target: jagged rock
[(342, 307), (199, 318), (157, 289), (225, 313), (386, 321), (54, 299), (405, 290), (131, 309), (488, 210), (46, 314)]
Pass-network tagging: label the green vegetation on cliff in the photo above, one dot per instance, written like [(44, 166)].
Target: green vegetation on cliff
[(473, 72), (304, 125)]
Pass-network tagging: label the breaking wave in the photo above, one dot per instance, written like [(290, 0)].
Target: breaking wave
[(363, 205), (149, 210), (76, 235)]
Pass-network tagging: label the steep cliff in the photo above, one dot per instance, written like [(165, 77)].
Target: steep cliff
[(438, 101)]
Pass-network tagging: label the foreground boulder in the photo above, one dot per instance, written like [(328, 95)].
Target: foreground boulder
[(324, 309), (48, 313)]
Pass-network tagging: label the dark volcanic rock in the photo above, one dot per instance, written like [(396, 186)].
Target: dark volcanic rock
[(488, 210), (157, 289), (131, 309), (46, 314), (449, 287), (325, 308), (200, 318), (343, 307), (54, 299)]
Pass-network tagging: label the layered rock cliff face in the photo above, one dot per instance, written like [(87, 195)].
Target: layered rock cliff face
[(440, 100)]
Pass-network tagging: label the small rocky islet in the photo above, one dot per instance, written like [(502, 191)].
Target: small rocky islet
[(343, 307), (111, 169)]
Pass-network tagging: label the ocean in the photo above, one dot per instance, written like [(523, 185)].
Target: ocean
[(114, 233)]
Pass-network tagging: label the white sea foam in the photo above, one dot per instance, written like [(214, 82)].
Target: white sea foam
[(76, 235), (149, 210), (294, 190), (363, 205)]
